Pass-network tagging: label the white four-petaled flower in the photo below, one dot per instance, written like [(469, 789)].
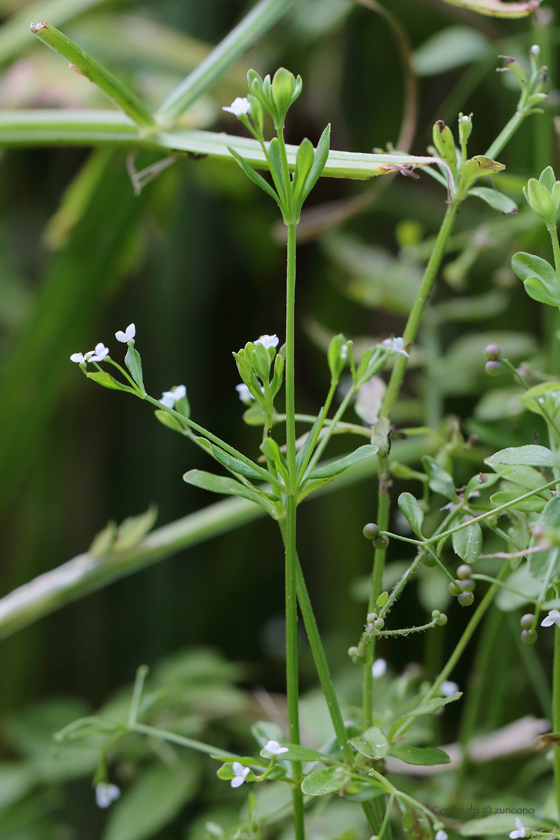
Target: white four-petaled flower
[(274, 748), (127, 335), (169, 398), (238, 107), (378, 668), (105, 794), (441, 835), (519, 830), (99, 353), (448, 687), (396, 345), (240, 773), (553, 617), (80, 358), (267, 341)]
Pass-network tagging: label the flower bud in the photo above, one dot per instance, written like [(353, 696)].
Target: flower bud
[(493, 368), (540, 201), (492, 352), (527, 621), (285, 90), (371, 531), (466, 599), (337, 356), (464, 571)]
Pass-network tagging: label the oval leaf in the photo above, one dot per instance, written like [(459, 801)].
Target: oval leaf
[(412, 511), (425, 756), (326, 781), (495, 199), (430, 706), (531, 455), (468, 542), (372, 743)]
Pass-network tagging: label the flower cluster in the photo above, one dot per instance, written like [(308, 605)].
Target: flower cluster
[(101, 352)]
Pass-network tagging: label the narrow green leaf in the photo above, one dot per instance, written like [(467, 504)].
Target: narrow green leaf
[(170, 421), (330, 780), (412, 511), (134, 363), (124, 98), (134, 528), (234, 464), (428, 707), (424, 756), (495, 199), (319, 161), (330, 470), (372, 743), (254, 176), (226, 486), (108, 381)]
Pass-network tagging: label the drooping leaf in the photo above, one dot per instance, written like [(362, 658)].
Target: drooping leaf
[(424, 756), (329, 780), (412, 511), (538, 276), (330, 470), (440, 481), (254, 176), (467, 543), (496, 200), (108, 381), (372, 743)]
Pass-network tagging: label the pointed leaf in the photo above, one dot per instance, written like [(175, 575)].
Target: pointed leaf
[(254, 176), (319, 161), (171, 422), (134, 363), (495, 199), (440, 481), (330, 470), (424, 756), (479, 167), (413, 512), (326, 781), (227, 486), (428, 707), (131, 530), (108, 381), (234, 464)]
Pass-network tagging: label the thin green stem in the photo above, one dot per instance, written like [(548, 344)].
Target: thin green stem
[(292, 680), (141, 675), (199, 746), (556, 251), (510, 128), (401, 728), (330, 430), (317, 432), (556, 710), (290, 370)]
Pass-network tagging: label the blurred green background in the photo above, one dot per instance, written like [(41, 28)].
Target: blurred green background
[(195, 263)]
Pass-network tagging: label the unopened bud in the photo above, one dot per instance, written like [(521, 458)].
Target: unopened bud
[(492, 352), (527, 621), (535, 50), (493, 368)]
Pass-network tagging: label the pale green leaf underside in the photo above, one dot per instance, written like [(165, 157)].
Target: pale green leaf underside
[(92, 128)]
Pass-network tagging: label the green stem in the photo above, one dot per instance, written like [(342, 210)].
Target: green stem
[(556, 251), (290, 370), (459, 648), (181, 740), (322, 666), (330, 430), (556, 710), (292, 689), (510, 128)]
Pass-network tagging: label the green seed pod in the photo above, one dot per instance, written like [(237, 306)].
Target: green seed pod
[(371, 531), (379, 624), (527, 621), (442, 620), (381, 542), (493, 368), (529, 637), (371, 617), (464, 571), (466, 599), (428, 561), (492, 352), (454, 588), (467, 585), (436, 613)]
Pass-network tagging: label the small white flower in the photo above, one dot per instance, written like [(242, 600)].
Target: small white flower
[(80, 358), (441, 835), (105, 794), (169, 398), (519, 830), (448, 687), (553, 617), (396, 345), (274, 748), (240, 773), (267, 341), (535, 50), (99, 353), (244, 394), (378, 668), (127, 335), (238, 107)]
